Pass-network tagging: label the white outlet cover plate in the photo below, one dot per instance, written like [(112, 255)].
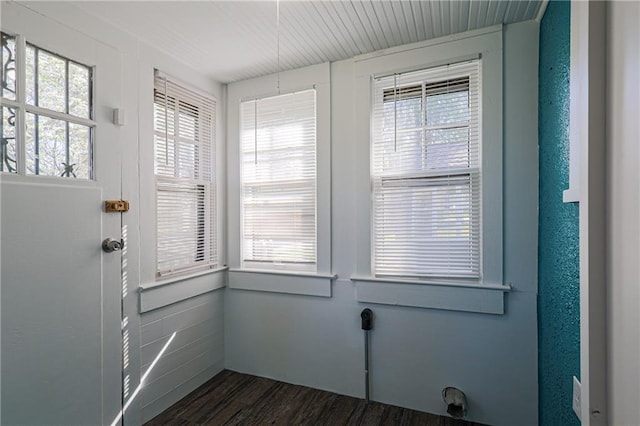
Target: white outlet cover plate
[(577, 397)]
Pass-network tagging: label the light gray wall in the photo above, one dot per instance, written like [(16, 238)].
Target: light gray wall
[(623, 210), (194, 355), (416, 352)]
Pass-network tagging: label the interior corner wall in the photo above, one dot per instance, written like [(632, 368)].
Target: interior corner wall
[(558, 240), (191, 310), (415, 352)]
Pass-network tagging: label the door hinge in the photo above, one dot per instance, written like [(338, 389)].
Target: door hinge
[(116, 206)]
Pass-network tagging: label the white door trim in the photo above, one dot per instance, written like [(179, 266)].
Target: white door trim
[(588, 100)]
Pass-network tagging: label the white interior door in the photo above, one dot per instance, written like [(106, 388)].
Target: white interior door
[(60, 292)]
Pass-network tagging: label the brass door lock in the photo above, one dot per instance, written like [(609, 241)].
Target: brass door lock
[(116, 206)]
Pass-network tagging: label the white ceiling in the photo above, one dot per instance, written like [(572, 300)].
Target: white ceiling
[(236, 40)]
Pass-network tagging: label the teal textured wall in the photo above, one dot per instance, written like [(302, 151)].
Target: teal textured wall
[(558, 261)]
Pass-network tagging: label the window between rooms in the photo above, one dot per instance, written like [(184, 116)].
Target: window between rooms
[(426, 173)]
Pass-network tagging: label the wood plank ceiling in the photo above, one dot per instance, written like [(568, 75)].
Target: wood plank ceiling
[(236, 40)]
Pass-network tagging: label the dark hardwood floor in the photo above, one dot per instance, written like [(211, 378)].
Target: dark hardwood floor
[(232, 398)]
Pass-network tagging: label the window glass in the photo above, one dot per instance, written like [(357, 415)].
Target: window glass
[(184, 155), (79, 90), (57, 148), (278, 148), (79, 151), (57, 105), (51, 82), (425, 172)]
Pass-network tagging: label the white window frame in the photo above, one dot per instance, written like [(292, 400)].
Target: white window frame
[(297, 282), (485, 44), (209, 197)]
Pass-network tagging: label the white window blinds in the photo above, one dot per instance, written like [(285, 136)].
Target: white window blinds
[(184, 141), (426, 143), (278, 155)]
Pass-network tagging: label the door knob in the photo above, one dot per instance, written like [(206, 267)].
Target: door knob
[(110, 245)]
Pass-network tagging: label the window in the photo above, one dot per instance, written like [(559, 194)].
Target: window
[(46, 115), (278, 179), (426, 173), (184, 141)]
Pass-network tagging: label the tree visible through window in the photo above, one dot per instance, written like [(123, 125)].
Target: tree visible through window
[(56, 99)]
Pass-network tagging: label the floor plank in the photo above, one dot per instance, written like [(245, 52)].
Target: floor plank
[(232, 398)]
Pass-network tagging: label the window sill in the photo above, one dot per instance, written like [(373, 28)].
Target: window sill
[(479, 298), (172, 290), (289, 282)]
